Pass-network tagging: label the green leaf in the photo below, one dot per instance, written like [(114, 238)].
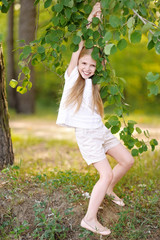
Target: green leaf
[(136, 36), (70, 3), (25, 82), (104, 92), (26, 51), (150, 45), (146, 27), (132, 122), (95, 79), (107, 36), (36, 2), (153, 88), (101, 42), (105, 3), (153, 143), (113, 89), (122, 44), (47, 3), (130, 3), (40, 49), (21, 90), (58, 7), (143, 10), (89, 43), (63, 20), (76, 40), (113, 50), (108, 48), (71, 27), (130, 22), (116, 35), (107, 125), (115, 129), (113, 121), (74, 47), (95, 21), (114, 21), (96, 35), (139, 131), (146, 133), (29, 85), (151, 77), (68, 13), (5, 3), (4, 9), (157, 34), (134, 152), (157, 47), (87, 9), (95, 53), (119, 111), (26, 70), (55, 21), (13, 83)]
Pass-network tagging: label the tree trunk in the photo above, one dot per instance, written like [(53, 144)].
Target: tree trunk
[(27, 26), (6, 150), (11, 74)]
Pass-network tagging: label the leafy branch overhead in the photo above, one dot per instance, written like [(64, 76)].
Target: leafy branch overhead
[(123, 22)]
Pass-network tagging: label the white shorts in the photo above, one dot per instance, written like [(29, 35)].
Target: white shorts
[(94, 143)]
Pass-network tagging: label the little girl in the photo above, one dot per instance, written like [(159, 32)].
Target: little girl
[(81, 107)]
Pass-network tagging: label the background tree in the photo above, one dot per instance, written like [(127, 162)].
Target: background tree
[(6, 150), (11, 71), (27, 26)]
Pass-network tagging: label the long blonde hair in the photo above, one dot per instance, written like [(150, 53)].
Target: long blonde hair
[(76, 94)]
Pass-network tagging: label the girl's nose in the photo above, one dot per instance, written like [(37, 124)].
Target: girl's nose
[(87, 67)]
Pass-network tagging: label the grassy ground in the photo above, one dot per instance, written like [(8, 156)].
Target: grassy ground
[(44, 194)]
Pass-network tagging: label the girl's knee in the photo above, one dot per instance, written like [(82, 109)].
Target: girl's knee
[(107, 177), (129, 161)]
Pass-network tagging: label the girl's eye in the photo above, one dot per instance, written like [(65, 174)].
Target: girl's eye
[(84, 63)]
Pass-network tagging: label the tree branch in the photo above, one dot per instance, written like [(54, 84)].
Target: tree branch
[(145, 21)]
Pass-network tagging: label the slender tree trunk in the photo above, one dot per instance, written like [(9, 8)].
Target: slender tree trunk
[(11, 73), (6, 150), (27, 26)]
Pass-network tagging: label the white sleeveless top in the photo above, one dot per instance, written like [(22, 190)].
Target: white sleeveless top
[(85, 117)]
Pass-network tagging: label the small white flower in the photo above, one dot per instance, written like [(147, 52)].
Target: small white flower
[(51, 214), (142, 185), (86, 195), (37, 201)]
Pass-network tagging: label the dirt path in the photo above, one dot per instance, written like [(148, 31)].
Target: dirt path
[(49, 130), (41, 128)]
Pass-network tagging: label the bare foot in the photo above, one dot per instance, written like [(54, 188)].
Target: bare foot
[(95, 226), (116, 199)]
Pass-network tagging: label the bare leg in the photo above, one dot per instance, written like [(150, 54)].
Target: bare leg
[(98, 194), (125, 162)]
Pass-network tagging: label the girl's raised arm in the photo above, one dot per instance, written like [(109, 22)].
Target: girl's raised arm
[(96, 12), (74, 59)]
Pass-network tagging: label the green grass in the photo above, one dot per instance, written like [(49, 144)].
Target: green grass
[(41, 188), (42, 196)]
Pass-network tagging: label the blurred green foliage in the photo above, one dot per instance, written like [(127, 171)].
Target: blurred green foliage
[(132, 64)]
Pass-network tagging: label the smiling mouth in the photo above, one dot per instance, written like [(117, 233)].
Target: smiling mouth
[(86, 73)]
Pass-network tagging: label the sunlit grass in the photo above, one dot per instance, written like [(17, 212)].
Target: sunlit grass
[(35, 178), (47, 168), (29, 154)]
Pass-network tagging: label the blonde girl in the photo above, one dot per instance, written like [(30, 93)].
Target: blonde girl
[(81, 107)]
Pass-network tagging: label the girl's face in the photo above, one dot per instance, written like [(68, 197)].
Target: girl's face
[(86, 66)]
